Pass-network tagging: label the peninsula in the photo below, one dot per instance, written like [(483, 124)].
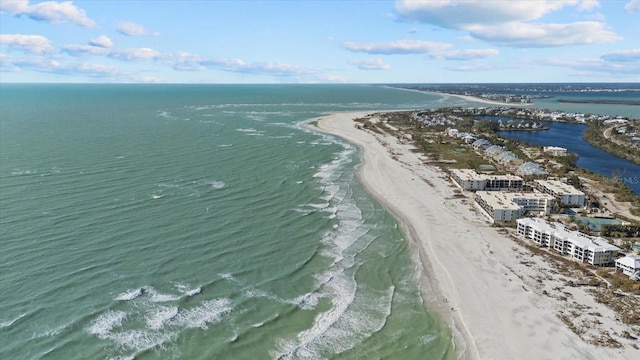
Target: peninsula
[(503, 301)]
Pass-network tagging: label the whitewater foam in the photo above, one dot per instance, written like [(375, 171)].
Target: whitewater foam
[(106, 322), (217, 184), (129, 294), (209, 312), (156, 296), (156, 318)]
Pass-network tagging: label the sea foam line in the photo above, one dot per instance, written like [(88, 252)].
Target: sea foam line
[(338, 282)]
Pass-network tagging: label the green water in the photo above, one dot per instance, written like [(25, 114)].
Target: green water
[(199, 222)]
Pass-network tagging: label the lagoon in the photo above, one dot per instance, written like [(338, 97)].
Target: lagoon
[(590, 158)]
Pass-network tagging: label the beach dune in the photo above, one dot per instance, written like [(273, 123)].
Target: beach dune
[(479, 279)]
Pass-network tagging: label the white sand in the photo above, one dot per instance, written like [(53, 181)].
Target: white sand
[(486, 101), (486, 284), (475, 99)]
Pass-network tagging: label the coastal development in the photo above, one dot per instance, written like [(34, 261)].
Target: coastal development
[(519, 220)]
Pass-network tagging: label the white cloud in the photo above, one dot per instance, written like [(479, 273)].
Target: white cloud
[(274, 68), (398, 47), (14, 7), (34, 44), (544, 35), (485, 67), (458, 14), (586, 5), (466, 38), (370, 64), (435, 50), (632, 55), (91, 70), (509, 23), (132, 29), (470, 54), (48, 11), (40, 64), (633, 6), (15, 64), (125, 54), (79, 50), (101, 41), (594, 66), (134, 54), (183, 61)]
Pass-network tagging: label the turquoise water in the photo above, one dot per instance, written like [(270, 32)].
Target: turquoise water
[(199, 222)]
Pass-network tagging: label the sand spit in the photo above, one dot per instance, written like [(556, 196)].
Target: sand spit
[(503, 301)]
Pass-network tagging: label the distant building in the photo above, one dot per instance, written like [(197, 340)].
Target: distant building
[(581, 247), (508, 206), (630, 266), (469, 179), (566, 194), (555, 150), (616, 121), (531, 169)]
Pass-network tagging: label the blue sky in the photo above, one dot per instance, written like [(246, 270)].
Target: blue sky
[(402, 41)]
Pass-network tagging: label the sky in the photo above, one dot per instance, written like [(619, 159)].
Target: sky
[(321, 41)]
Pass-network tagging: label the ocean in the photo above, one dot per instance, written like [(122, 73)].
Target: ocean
[(201, 222)]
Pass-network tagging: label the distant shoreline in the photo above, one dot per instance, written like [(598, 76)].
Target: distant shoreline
[(481, 99), (595, 101), (470, 98)]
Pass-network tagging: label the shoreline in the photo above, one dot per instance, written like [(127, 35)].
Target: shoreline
[(478, 99), (474, 277), (469, 98), (429, 288)]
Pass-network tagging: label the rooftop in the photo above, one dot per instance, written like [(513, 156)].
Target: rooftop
[(558, 230), (559, 187), (632, 261), (507, 200)]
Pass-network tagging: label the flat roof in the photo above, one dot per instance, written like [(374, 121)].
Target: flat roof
[(592, 243), (505, 200), (559, 187), (471, 175), (632, 261)]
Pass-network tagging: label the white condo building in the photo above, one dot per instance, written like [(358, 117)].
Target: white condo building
[(507, 206), (630, 266), (581, 247), (566, 194), (469, 179)]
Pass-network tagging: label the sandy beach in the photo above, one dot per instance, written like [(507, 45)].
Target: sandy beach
[(486, 101), (502, 302), (469, 98)]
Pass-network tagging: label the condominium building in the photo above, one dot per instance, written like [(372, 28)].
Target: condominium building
[(581, 247), (469, 179), (566, 194), (503, 182), (630, 266), (507, 206)]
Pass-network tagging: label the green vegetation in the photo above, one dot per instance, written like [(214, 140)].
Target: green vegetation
[(594, 135), (620, 230), (613, 186), (446, 151)]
